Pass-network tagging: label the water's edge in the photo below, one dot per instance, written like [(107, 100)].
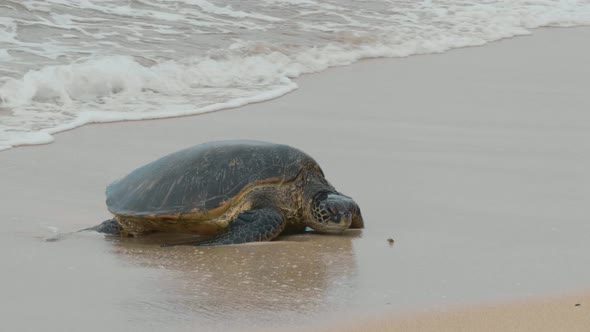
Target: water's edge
[(45, 136)]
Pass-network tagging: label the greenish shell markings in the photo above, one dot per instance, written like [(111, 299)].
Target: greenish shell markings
[(202, 178)]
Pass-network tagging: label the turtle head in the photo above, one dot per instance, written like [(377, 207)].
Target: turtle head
[(332, 212)]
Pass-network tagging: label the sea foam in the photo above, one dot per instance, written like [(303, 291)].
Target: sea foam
[(67, 63)]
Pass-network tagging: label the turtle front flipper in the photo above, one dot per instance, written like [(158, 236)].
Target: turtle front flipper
[(250, 226)]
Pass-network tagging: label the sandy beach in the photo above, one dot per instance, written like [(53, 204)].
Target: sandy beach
[(565, 313), (474, 161)]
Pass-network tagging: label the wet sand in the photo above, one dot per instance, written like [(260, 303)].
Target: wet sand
[(475, 161)]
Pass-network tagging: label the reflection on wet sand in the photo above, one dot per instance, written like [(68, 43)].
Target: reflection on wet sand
[(257, 283)]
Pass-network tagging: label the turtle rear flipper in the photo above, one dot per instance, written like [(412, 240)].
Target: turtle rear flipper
[(108, 227), (250, 226)]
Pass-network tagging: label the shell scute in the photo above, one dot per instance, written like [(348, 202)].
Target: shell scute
[(201, 182)]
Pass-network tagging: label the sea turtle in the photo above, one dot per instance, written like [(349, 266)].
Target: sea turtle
[(235, 191)]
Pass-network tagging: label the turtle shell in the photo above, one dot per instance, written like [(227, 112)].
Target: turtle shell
[(203, 178)]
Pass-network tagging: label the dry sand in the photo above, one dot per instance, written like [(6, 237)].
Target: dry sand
[(475, 161), (571, 313)]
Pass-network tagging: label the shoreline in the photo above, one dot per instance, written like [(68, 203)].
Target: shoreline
[(278, 93), (475, 161)]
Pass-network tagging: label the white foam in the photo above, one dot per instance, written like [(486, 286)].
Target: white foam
[(4, 56), (229, 11), (162, 59), (7, 29), (117, 88)]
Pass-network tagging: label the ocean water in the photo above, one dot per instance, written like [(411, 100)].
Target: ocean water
[(66, 63)]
